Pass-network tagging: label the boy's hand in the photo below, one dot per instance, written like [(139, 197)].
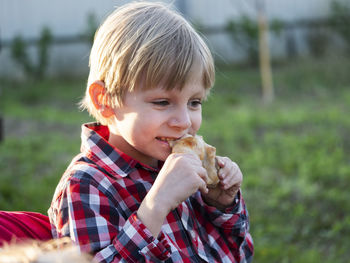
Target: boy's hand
[(224, 193), (181, 176)]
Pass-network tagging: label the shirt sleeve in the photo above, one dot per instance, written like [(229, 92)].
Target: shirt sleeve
[(99, 227), (234, 220), (233, 223)]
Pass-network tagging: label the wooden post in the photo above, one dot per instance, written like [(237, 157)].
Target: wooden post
[(264, 54)]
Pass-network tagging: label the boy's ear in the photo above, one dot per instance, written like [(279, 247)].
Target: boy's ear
[(98, 97)]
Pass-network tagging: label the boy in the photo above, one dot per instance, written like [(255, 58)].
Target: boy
[(126, 198)]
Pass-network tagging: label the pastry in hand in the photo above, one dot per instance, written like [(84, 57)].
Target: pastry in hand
[(205, 152)]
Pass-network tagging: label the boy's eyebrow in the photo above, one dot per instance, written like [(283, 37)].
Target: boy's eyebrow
[(199, 95)]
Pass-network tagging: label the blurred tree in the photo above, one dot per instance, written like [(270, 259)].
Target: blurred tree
[(19, 53), (244, 32), (318, 40), (91, 28), (340, 20)]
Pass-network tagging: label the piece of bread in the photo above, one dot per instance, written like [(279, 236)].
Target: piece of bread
[(206, 153)]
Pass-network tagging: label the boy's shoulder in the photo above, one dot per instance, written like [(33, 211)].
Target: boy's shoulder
[(83, 171)]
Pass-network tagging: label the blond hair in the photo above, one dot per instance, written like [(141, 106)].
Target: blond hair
[(52, 251), (146, 42)]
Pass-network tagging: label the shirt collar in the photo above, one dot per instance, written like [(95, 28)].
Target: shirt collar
[(95, 146)]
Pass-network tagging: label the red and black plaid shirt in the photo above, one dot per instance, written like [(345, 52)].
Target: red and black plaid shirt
[(96, 201)]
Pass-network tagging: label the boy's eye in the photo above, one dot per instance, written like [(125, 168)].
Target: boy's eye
[(160, 102), (195, 103)]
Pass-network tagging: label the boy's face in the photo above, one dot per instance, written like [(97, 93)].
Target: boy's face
[(146, 121)]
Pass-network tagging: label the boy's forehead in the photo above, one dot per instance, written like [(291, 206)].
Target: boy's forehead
[(191, 88), (170, 82)]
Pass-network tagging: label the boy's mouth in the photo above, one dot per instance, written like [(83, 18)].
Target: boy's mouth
[(166, 139)]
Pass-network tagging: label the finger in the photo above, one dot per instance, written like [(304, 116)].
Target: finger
[(202, 172), (229, 168), (221, 161), (224, 173), (203, 188), (201, 184), (232, 179), (194, 158), (226, 163), (203, 176), (229, 182)]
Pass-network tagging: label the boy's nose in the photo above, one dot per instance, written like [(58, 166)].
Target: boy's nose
[(181, 119)]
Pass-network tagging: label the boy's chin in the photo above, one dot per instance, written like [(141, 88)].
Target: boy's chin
[(163, 157)]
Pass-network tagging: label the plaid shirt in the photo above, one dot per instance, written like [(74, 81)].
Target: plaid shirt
[(97, 198)]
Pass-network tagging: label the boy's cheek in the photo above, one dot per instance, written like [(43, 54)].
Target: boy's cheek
[(195, 127)]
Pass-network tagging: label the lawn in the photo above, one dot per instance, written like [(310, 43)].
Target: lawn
[(294, 152)]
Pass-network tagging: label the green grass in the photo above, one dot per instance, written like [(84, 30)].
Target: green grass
[(42, 133), (294, 153)]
